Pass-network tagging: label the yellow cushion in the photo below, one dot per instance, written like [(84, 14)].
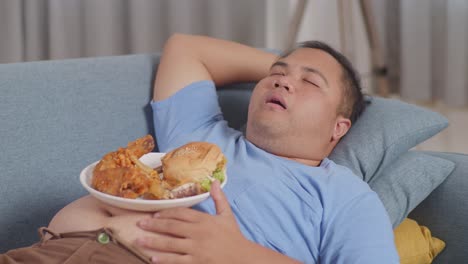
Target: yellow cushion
[(415, 244)]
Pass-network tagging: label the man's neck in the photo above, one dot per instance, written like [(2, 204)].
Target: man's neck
[(313, 163), (267, 146)]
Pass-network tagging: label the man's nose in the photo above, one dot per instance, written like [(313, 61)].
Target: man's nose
[(283, 82)]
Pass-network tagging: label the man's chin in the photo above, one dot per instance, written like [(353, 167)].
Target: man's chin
[(264, 136), (278, 147), (264, 129), (268, 144)]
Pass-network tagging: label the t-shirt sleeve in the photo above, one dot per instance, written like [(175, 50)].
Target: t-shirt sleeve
[(360, 232), (191, 109)]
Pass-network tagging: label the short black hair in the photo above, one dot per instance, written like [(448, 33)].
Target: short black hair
[(352, 102)]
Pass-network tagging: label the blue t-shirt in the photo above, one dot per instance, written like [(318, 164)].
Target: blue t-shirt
[(319, 214)]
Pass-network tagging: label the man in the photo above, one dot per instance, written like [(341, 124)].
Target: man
[(285, 201)]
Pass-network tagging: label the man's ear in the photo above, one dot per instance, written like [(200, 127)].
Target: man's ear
[(341, 128)]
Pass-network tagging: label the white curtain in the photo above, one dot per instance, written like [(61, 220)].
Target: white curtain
[(433, 56), (57, 29)]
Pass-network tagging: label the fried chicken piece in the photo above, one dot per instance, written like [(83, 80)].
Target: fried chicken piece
[(159, 190), (141, 146), (120, 173), (122, 182), (126, 157)]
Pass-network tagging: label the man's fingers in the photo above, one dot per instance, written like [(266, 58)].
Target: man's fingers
[(165, 244), (220, 200), (181, 213), (166, 226)]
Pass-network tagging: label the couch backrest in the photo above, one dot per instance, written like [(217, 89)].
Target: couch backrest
[(56, 117), (59, 116)]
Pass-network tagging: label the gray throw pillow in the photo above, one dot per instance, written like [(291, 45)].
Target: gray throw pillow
[(386, 129), (407, 181)]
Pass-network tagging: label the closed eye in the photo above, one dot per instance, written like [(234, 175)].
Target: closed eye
[(310, 82), (277, 73)]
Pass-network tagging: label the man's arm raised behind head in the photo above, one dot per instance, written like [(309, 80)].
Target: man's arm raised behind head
[(188, 58)]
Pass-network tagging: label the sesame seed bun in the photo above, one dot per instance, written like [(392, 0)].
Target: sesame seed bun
[(192, 162)]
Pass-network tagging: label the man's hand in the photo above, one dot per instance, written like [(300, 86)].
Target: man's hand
[(185, 235)]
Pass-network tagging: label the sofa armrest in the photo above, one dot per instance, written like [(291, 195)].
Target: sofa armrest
[(445, 212)]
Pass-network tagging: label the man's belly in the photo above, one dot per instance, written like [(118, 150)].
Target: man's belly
[(88, 213)]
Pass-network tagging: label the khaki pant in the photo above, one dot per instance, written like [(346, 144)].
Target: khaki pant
[(98, 246)]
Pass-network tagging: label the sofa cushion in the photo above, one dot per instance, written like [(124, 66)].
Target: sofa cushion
[(386, 129), (415, 244), (407, 181)]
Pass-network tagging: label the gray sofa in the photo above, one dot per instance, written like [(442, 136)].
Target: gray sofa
[(59, 116)]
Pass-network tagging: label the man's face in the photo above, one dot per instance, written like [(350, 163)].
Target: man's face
[(293, 111)]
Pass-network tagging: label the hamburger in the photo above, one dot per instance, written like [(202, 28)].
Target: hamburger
[(193, 167)]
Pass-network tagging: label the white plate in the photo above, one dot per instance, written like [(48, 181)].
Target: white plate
[(153, 160)]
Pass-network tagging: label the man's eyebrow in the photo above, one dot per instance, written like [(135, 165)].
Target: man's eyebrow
[(304, 68), (279, 63)]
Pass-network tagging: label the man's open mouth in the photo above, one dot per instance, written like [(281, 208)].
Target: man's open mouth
[(277, 100)]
